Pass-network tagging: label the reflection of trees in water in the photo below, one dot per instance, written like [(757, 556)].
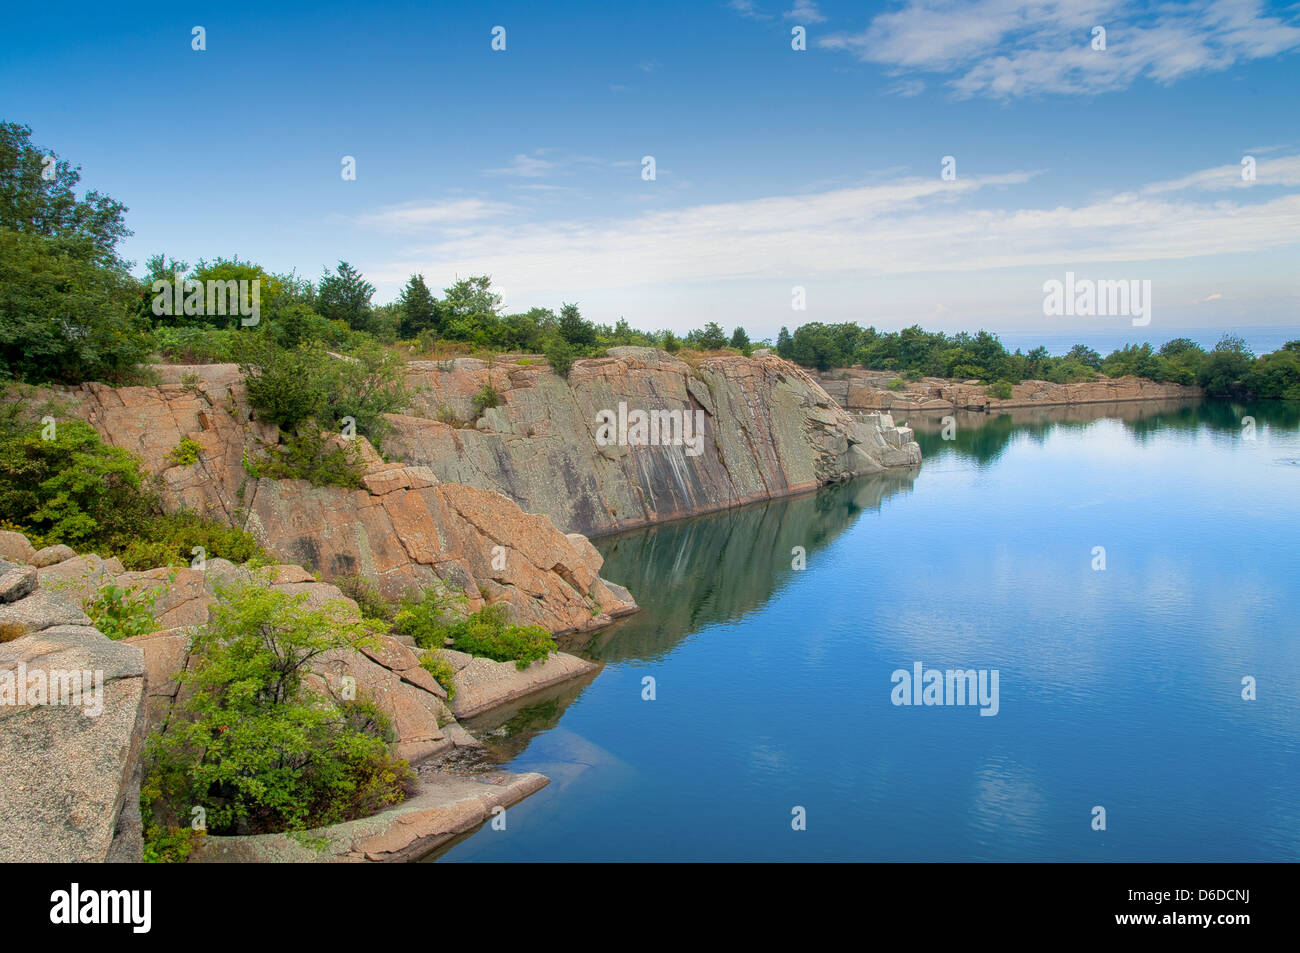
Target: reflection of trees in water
[(984, 437), (720, 566)]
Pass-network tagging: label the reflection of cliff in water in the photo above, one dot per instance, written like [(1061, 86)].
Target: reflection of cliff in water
[(720, 566), (984, 437)]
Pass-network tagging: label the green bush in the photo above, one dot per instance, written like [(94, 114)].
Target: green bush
[(442, 671), (185, 453), (427, 617), (489, 633), (1001, 390), (485, 398), (368, 598), (195, 344), (176, 539), (560, 355), (310, 455), (898, 384), (121, 613), (291, 386), (72, 488), (252, 746)]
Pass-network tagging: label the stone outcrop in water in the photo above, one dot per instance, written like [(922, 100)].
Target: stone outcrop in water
[(867, 391), (769, 430)]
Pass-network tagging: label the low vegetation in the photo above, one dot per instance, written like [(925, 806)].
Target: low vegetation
[(60, 483), (253, 748), (122, 612)]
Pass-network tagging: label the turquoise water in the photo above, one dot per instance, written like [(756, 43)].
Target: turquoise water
[(1119, 688)]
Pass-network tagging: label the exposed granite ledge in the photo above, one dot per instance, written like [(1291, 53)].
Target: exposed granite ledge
[(447, 805)]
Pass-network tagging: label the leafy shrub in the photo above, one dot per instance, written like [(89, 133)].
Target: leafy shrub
[(485, 398), (1001, 390), (442, 671), (252, 745), (368, 598), (173, 539), (898, 384), (195, 344), (291, 386), (427, 617), (560, 355), (489, 633), (121, 613), (165, 844), (72, 488), (311, 455), (185, 453)]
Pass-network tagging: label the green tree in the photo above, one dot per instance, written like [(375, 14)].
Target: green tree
[(38, 197), (1082, 354), (69, 311), (345, 296), (784, 345), (575, 329), (64, 317), (418, 307), (740, 341), (711, 337)]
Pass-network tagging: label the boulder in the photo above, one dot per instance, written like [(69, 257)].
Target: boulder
[(18, 582), (15, 547), (65, 769), (51, 555)]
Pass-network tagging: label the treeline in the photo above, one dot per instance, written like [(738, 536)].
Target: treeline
[(70, 311), (1230, 368)]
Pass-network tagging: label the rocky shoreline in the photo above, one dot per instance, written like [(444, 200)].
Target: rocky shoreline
[(859, 390), (498, 505)]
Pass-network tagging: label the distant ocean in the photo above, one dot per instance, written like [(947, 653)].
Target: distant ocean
[(1261, 340)]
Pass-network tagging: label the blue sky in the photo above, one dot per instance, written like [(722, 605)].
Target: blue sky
[(775, 168)]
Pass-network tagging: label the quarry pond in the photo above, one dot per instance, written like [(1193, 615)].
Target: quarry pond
[(1127, 571)]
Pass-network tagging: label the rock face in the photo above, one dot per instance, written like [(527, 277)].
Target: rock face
[(71, 725), (769, 430), (859, 390), (75, 708), (404, 529)]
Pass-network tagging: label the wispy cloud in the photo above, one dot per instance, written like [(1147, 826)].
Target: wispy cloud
[(907, 226), (524, 166), (746, 8), (416, 217), (1283, 171), (1011, 48), (804, 11)]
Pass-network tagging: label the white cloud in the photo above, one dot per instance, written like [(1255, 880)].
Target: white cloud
[(908, 226), (524, 166), (416, 218), (1283, 171), (746, 8), (805, 11), (1010, 48)]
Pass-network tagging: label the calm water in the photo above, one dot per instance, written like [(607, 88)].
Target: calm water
[(1119, 688)]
